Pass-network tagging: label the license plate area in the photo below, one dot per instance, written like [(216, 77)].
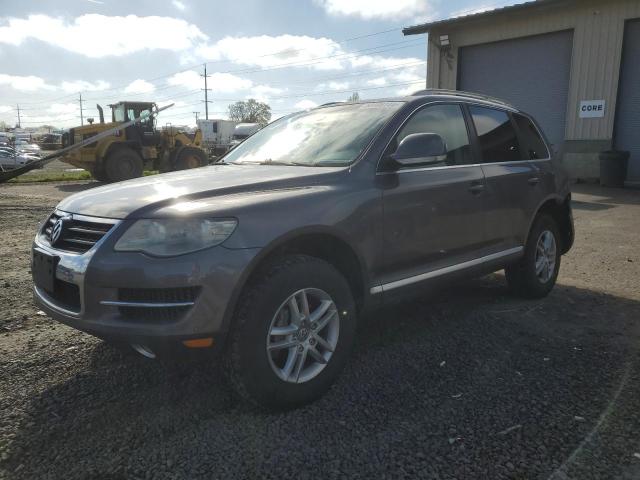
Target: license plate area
[(43, 270)]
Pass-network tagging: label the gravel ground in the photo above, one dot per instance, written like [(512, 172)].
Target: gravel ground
[(463, 383)]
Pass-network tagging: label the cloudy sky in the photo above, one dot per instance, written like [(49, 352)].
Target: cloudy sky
[(293, 54)]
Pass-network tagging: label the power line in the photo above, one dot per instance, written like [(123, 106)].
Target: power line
[(312, 61), (280, 52), (314, 80)]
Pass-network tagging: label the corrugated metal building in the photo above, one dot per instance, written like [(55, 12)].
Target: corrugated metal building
[(573, 64)]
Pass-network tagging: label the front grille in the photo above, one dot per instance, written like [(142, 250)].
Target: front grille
[(77, 236), (66, 295), (159, 296)]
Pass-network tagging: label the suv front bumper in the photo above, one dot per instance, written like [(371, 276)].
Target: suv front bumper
[(138, 299)]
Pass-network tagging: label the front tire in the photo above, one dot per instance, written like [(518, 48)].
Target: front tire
[(123, 164), (293, 333), (536, 273)]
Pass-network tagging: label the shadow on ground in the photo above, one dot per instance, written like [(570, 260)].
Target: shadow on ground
[(467, 383)]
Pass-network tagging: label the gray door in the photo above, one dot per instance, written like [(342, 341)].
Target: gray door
[(628, 111), (532, 73), (510, 198), (433, 213)]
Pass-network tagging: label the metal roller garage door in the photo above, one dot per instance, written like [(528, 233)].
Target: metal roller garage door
[(532, 73), (627, 136)]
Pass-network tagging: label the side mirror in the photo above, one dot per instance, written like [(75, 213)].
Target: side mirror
[(420, 148)]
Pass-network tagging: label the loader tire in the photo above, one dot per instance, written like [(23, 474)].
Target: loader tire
[(99, 174), (123, 164), (189, 157)]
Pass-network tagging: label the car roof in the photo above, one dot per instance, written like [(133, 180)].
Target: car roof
[(419, 96)]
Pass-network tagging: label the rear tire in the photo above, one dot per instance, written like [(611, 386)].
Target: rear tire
[(261, 370), (123, 164), (189, 157), (536, 273)]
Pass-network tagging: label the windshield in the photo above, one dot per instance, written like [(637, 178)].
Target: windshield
[(328, 136)]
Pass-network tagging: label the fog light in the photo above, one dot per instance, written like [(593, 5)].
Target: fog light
[(198, 342)]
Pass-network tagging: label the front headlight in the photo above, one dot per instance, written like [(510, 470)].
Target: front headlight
[(168, 237)]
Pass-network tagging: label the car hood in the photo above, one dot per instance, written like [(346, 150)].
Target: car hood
[(142, 196)]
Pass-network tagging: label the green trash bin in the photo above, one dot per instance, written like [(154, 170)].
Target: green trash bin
[(613, 168)]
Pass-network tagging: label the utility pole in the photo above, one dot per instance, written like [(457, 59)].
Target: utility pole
[(196, 113), (206, 93), (18, 108), (81, 117)]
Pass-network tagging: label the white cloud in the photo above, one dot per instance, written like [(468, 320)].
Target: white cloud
[(332, 86), (63, 109), (29, 83), (96, 36), (139, 86), (305, 104), (179, 5), (474, 10), (5, 108), (408, 90), (84, 86), (188, 79), (264, 92), (377, 82), (377, 61), (267, 51), (370, 9), (217, 82)]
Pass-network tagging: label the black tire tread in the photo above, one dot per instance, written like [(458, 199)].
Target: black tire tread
[(241, 316), (518, 278), (182, 151), (118, 152)]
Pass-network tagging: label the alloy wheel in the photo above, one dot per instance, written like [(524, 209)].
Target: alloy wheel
[(303, 335), (545, 256)]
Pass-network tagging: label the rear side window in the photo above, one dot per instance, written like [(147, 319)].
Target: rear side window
[(533, 145), (446, 121), (496, 136)]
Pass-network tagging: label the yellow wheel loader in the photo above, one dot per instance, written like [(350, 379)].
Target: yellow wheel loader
[(127, 151)]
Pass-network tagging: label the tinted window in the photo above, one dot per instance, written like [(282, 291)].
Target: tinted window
[(448, 122), (534, 146), (496, 135)]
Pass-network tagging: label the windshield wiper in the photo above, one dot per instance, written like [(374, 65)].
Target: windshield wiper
[(276, 162)]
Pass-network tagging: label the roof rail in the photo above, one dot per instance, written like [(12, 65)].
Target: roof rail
[(331, 103), (461, 93)]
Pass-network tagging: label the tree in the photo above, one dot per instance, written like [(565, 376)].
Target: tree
[(250, 111), (355, 96)]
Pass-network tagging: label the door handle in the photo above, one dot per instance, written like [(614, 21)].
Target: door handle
[(476, 188), (533, 181)]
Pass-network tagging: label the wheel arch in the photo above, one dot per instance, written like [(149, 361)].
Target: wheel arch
[(319, 242), (560, 209)]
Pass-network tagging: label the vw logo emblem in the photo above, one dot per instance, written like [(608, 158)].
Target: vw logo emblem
[(56, 231)]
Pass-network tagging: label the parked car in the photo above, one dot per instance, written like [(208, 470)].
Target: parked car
[(26, 147), (273, 256), (10, 160)]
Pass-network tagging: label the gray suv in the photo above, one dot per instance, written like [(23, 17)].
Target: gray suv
[(272, 255)]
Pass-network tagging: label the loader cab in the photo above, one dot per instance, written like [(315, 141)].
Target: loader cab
[(144, 131)]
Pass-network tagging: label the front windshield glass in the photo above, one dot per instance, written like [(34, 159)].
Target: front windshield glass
[(328, 136)]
